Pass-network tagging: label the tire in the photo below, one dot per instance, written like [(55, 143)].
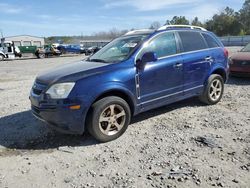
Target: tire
[(63, 51), (103, 123), (213, 91), (1, 57), (41, 55)]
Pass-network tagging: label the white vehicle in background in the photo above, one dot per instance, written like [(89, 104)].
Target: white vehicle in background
[(55, 45), (8, 50)]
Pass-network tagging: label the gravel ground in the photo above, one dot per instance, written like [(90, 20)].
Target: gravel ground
[(186, 144)]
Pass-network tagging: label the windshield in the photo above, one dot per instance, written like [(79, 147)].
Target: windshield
[(118, 50), (246, 48)]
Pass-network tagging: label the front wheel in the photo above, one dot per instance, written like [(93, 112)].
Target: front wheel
[(1, 57), (213, 91), (109, 118)]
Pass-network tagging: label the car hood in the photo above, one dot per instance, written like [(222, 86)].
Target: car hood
[(241, 56), (70, 72)]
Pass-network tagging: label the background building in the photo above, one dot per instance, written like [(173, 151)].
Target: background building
[(26, 40)]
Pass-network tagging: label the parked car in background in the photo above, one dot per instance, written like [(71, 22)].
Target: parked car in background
[(71, 48), (92, 50), (240, 62), (140, 71), (47, 51), (51, 51)]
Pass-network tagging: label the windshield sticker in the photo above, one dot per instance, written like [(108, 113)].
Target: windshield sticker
[(129, 45)]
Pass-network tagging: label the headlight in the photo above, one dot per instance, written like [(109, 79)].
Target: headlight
[(60, 91)]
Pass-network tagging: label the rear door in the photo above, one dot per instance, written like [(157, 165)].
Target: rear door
[(196, 61), (217, 50)]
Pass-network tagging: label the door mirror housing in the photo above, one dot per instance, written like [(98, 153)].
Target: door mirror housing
[(146, 58)]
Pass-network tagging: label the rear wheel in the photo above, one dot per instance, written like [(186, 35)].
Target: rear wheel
[(109, 118), (214, 90), (41, 55)]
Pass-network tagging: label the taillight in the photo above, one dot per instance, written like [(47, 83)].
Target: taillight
[(226, 53)]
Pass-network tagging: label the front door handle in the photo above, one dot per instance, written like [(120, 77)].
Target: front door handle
[(178, 65)]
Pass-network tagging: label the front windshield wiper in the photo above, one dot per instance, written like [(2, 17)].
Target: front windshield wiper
[(97, 60)]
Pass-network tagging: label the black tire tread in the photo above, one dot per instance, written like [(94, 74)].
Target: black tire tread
[(204, 97)]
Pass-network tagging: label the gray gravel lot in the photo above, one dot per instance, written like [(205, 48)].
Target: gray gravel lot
[(186, 144)]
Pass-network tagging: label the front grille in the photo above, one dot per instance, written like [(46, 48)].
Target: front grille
[(37, 91), (38, 88)]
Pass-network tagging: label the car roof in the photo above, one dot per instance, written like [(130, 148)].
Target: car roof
[(166, 28)]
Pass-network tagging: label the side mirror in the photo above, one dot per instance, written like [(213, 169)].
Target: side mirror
[(146, 58)]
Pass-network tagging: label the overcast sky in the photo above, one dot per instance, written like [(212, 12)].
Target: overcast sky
[(73, 17)]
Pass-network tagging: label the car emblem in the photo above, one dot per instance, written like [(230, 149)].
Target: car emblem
[(244, 63)]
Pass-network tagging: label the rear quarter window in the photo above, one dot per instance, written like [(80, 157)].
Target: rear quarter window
[(192, 41), (211, 42)]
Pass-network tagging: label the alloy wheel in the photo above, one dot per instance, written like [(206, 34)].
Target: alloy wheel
[(112, 119), (215, 90)]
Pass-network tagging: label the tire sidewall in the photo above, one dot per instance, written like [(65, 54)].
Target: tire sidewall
[(41, 56), (209, 83), (97, 110)]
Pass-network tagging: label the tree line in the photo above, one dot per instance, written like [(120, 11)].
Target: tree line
[(227, 22)]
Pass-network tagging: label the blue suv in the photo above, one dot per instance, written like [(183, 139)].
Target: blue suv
[(139, 71)]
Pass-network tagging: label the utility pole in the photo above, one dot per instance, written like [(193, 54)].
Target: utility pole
[(2, 39), (1, 33)]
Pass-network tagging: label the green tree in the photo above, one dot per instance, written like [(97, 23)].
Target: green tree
[(244, 17), (178, 20), (197, 22), (155, 25), (225, 23)]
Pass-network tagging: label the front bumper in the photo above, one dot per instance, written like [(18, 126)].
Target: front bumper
[(58, 115)]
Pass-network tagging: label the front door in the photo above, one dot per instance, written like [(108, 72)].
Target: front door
[(162, 80)]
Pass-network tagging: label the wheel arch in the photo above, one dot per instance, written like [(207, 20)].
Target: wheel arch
[(3, 54), (118, 93), (221, 72)]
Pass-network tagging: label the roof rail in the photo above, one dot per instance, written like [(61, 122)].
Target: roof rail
[(139, 31), (181, 26)]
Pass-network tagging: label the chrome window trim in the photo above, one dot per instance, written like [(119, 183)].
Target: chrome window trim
[(182, 53)]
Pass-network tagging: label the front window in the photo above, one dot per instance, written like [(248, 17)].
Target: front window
[(118, 50), (164, 45), (246, 48)]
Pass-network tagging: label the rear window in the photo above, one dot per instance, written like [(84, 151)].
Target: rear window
[(192, 41), (211, 42)]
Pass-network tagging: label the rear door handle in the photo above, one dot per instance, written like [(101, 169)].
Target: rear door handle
[(178, 65), (209, 59)]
